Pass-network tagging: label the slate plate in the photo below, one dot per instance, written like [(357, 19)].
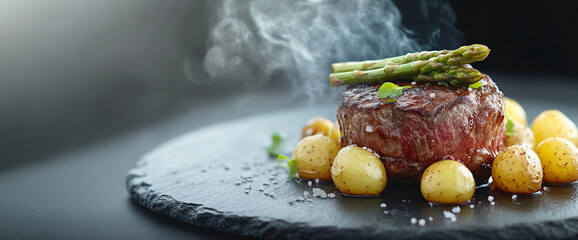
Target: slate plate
[(220, 177)]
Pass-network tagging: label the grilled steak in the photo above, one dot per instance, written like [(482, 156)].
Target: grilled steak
[(426, 124)]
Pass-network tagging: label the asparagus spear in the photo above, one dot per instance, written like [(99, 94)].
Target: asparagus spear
[(467, 54), (454, 75), (460, 53), (374, 64)]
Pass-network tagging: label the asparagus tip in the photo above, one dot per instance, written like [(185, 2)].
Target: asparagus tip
[(334, 81)]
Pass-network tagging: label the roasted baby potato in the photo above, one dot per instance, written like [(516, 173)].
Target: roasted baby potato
[(447, 182), (357, 171), (553, 123), (522, 135), (559, 159), (317, 125), (335, 132), (515, 111), (314, 155), (517, 169)]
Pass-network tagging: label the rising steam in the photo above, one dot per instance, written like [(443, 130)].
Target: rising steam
[(254, 42)]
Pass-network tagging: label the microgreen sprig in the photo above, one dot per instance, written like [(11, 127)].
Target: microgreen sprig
[(390, 91), (276, 145), (291, 163), (510, 128)]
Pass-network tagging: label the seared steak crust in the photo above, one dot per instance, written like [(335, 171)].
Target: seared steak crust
[(426, 124)]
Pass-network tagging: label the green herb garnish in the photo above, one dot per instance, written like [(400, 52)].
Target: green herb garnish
[(276, 145), (510, 128), (390, 91), (477, 84), (291, 163)]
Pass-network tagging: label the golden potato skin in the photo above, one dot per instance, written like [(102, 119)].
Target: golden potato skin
[(357, 171), (314, 155), (447, 182), (317, 125), (517, 169), (515, 111), (553, 123), (523, 136), (335, 132), (559, 159)]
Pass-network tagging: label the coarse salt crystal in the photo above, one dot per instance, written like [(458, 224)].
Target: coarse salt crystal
[(309, 183), (318, 192), (546, 189), (331, 195), (471, 205), (383, 205), (493, 203), (430, 218), (452, 217), (456, 209), (305, 193), (316, 181), (490, 198), (413, 220), (368, 128), (413, 83), (432, 95), (421, 222), (514, 197)]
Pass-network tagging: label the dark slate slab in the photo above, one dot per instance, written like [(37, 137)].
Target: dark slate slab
[(220, 178)]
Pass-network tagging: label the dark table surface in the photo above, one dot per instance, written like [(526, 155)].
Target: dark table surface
[(81, 194)]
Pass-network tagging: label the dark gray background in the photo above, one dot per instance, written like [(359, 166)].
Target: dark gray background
[(88, 87)]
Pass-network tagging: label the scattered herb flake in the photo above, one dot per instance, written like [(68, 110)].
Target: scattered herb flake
[(510, 128), (390, 91), (291, 163), (276, 145)]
